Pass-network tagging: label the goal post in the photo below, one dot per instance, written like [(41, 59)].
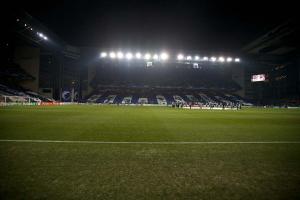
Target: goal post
[(18, 100)]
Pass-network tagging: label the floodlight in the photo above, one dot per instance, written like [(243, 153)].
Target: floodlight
[(138, 55), (205, 58), (147, 56), (180, 57), (103, 54), (155, 57), (213, 59), (221, 59), (120, 55), (25, 25), (129, 56), (229, 59), (197, 58), (112, 55), (189, 57), (45, 38), (164, 56), (237, 60)]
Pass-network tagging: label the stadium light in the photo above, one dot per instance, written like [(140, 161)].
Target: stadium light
[(221, 59), (229, 59), (147, 56), (164, 56), (205, 58), (103, 54), (41, 35), (129, 56), (138, 55), (120, 55), (25, 25), (158, 57), (213, 59), (180, 57), (112, 55)]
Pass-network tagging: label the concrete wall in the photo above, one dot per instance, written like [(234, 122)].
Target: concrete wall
[(238, 76), (91, 74), (29, 60)]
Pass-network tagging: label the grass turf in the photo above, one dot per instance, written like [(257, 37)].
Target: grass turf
[(139, 171)]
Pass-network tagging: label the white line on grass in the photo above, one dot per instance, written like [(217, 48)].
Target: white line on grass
[(111, 142)]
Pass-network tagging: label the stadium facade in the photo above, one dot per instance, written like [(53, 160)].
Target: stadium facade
[(39, 62), (275, 55)]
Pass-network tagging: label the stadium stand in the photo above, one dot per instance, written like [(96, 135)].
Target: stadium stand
[(10, 94), (159, 96), (161, 100), (15, 72), (10, 90), (171, 83), (126, 100), (167, 76), (93, 98)]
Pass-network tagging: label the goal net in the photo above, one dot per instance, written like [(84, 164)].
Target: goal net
[(18, 100)]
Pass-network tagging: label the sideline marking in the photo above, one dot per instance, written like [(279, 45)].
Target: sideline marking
[(107, 142)]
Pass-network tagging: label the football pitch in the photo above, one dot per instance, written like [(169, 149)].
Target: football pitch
[(119, 152)]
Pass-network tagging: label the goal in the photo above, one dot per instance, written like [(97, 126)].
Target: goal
[(18, 100)]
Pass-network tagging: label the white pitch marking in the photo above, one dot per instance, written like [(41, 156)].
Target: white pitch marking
[(108, 142)]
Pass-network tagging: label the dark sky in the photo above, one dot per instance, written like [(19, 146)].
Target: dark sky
[(188, 25)]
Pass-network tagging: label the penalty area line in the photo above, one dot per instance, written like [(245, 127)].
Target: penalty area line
[(162, 142)]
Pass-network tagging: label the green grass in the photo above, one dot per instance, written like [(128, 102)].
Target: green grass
[(148, 171)]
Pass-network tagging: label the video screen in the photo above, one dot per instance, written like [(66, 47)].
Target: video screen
[(258, 78)]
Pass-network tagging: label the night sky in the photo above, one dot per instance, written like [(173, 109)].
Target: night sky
[(188, 25)]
